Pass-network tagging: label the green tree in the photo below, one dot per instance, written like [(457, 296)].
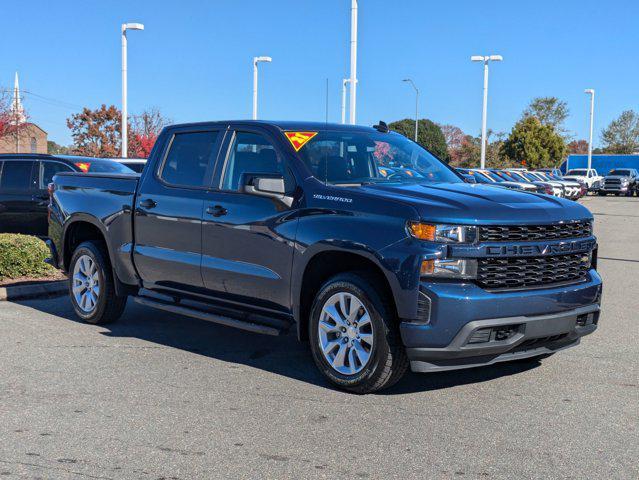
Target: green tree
[(549, 111), (534, 145), (622, 134), (429, 135), (55, 149)]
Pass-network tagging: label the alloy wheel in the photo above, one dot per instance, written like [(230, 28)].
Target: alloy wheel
[(86, 283), (345, 333)]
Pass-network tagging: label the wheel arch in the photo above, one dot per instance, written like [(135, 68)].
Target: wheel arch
[(327, 263)]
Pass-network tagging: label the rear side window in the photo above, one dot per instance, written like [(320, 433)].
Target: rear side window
[(189, 157), (17, 175), (48, 170)]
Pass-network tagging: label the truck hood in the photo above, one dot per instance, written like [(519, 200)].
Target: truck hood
[(469, 204)]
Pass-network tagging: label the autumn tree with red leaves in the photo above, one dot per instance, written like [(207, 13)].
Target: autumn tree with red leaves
[(144, 131), (96, 133), (578, 146)]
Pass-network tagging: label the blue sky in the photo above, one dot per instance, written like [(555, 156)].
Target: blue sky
[(193, 61)]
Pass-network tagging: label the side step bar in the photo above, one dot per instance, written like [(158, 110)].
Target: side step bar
[(209, 317)]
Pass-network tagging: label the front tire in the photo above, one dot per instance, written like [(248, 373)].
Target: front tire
[(354, 337), (91, 285)]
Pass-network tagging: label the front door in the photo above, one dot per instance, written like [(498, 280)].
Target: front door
[(168, 219), (248, 241)]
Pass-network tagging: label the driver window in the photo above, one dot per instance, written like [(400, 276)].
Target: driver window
[(252, 153)]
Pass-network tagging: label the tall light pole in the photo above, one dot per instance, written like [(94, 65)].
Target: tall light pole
[(344, 82), (591, 92), (353, 79), (485, 59), (408, 80), (125, 123), (257, 60)]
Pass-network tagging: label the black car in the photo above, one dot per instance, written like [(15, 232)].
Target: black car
[(23, 187)]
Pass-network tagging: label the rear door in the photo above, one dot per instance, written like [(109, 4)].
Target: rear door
[(168, 214), (18, 204), (248, 241)]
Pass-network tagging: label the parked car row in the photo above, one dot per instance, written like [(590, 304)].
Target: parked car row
[(23, 187), (532, 181)]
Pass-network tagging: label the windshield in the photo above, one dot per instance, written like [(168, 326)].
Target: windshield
[(494, 177), (578, 172), (531, 177), (619, 172), (354, 158), (518, 177)]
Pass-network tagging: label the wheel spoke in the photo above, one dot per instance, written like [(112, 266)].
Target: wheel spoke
[(328, 328), (366, 337), (332, 312), (351, 360), (354, 311), (343, 305), (330, 346), (362, 354), (365, 320), (338, 359)]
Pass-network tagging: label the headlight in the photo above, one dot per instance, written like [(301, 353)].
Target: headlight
[(449, 268), (625, 181), (443, 233)]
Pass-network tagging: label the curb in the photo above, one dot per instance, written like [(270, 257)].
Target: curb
[(36, 290)]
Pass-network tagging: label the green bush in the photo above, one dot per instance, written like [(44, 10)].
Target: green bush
[(23, 256)]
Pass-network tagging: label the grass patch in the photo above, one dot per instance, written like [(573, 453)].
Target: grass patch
[(23, 256)]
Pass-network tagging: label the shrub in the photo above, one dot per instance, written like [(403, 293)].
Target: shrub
[(23, 256)]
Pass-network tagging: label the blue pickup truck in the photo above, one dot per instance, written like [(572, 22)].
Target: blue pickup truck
[(291, 226)]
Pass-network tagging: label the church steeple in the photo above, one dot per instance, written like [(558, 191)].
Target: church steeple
[(17, 111)]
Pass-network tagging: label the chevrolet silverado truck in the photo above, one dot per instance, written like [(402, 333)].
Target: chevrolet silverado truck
[(289, 226), (621, 181), (588, 176)]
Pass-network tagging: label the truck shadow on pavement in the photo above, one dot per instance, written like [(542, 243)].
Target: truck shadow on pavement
[(282, 355)]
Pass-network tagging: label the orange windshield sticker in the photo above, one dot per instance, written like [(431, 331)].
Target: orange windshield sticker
[(299, 139)]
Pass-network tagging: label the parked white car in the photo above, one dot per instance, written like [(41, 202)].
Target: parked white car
[(587, 175)]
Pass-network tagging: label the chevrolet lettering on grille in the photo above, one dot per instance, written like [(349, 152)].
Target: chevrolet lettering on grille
[(539, 249)]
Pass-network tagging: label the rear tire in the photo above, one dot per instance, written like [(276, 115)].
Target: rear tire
[(354, 335), (91, 285)]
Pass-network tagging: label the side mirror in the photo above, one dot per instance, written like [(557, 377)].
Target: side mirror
[(265, 185)]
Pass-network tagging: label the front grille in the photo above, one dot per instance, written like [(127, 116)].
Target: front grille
[(612, 181), (523, 272), (526, 233)]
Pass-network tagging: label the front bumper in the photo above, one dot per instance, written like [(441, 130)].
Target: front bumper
[(469, 326)]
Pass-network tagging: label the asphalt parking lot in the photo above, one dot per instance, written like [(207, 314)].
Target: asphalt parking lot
[(156, 396)]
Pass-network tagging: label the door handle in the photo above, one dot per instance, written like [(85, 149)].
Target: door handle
[(148, 203), (216, 211)]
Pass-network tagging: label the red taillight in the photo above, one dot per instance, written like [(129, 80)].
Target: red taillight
[(549, 190), (83, 166)]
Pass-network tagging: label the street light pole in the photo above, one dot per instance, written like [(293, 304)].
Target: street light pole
[(353, 79), (344, 82), (591, 92), (257, 60), (485, 60), (125, 123), (408, 80)]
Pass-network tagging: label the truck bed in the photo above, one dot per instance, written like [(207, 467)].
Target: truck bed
[(105, 200)]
